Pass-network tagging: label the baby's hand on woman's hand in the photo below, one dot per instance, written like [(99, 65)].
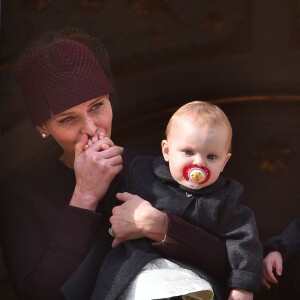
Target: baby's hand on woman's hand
[(95, 168), (239, 294), (94, 139)]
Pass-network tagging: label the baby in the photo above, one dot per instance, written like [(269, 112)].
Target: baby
[(187, 181)]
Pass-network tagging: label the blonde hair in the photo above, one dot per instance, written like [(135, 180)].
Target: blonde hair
[(205, 113)]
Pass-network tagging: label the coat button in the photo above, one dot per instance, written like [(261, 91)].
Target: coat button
[(188, 195)]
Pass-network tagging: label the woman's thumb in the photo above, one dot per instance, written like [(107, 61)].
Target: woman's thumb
[(79, 147)]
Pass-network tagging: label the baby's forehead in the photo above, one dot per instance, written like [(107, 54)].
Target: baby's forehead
[(198, 120)]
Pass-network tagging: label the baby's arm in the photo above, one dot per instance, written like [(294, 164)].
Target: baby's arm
[(237, 224), (239, 294)]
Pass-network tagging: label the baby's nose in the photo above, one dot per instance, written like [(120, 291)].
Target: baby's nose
[(199, 161)]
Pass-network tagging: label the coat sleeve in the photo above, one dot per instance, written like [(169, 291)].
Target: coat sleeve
[(208, 254), (287, 243), (37, 264), (238, 227)]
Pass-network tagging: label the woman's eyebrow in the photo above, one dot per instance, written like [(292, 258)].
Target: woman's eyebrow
[(63, 114), (100, 99)]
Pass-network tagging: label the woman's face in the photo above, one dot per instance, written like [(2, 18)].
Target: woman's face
[(91, 117)]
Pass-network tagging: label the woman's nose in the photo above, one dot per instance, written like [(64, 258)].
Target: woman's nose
[(89, 127)]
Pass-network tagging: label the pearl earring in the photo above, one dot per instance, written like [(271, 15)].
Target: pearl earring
[(44, 135)]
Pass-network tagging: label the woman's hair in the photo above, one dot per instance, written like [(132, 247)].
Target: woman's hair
[(62, 69), (205, 113)]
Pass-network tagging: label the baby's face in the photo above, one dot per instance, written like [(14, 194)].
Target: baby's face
[(190, 143)]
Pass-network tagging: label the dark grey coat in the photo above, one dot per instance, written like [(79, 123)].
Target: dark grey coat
[(214, 208)]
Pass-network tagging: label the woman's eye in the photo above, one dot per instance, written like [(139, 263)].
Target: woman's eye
[(211, 156), (188, 152), (66, 120), (97, 105)]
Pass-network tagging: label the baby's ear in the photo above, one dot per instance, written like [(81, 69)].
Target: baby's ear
[(226, 160), (228, 156), (165, 149)]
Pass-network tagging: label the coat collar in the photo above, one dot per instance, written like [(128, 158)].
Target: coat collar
[(162, 171)]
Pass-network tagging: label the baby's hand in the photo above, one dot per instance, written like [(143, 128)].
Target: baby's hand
[(239, 294), (95, 138), (272, 266)]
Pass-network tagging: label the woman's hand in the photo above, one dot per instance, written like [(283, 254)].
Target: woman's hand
[(95, 167), (273, 261), (239, 294), (136, 218)]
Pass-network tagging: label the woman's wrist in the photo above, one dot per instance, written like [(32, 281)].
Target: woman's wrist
[(83, 200), (155, 225)]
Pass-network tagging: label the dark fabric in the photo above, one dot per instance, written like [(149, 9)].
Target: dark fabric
[(123, 263), (214, 208), (209, 253), (288, 244), (43, 238)]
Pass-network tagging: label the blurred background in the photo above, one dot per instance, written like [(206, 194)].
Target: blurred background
[(243, 55)]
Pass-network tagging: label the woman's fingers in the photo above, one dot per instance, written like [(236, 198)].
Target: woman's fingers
[(124, 196), (116, 242), (95, 170), (111, 156), (79, 147)]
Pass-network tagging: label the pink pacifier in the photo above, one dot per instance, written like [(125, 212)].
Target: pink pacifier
[(196, 175)]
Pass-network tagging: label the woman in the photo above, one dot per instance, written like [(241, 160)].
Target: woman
[(54, 215)]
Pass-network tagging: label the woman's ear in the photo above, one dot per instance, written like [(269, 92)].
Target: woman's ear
[(42, 130), (165, 149)]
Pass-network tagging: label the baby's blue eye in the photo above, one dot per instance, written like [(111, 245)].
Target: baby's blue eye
[(211, 156)]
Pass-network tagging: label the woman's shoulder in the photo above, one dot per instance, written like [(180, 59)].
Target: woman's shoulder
[(37, 172), (46, 177)]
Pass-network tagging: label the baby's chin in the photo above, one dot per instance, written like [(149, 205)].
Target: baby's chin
[(192, 185)]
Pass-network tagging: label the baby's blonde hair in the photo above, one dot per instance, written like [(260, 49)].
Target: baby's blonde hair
[(204, 112)]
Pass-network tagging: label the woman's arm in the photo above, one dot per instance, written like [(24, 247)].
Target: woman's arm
[(45, 236), (171, 235), (196, 246), (42, 245)]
